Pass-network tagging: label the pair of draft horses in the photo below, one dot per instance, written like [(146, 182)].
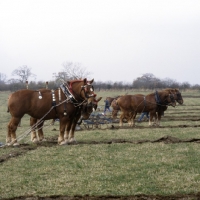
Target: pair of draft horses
[(73, 100), (154, 103)]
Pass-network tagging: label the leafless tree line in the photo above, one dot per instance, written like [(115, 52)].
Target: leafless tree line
[(73, 71)]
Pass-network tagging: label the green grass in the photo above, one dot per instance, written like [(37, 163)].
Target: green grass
[(116, 169)]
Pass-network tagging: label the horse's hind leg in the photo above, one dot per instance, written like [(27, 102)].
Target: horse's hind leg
[(12, 127)]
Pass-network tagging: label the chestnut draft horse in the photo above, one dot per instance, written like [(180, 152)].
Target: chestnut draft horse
[(130, 105), (178, 98), (62, 103), (82, 113), (116, 109)]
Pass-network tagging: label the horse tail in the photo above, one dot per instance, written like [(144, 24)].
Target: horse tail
[(8, 100)]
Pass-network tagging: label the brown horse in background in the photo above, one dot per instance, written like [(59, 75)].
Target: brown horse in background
[(82, 114), (175, 92), (130, 105), (63, 103), (161, 109)]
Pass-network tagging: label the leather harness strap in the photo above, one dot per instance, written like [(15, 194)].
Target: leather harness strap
[(157, 98), (68, 93), (144, 101)]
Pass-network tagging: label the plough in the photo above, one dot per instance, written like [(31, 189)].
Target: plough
[(97, 120)]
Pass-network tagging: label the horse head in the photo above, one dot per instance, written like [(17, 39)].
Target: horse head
[(179, 96), (176, 93), (89, 107), (81, 89), (167, 99)]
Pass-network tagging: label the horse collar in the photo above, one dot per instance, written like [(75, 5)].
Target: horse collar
[(157, 98), (68, 93)]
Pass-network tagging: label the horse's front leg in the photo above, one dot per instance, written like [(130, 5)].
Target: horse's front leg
[(73, 128), (33, 123), (159, 118), (121, 119), (67, 131), (40, 131), (152, 115), (11, 134), (72, 131), (129, 117), (61, 139), (133, 118)]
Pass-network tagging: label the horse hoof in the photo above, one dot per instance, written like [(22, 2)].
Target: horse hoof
[(72, 141), (16, 144), (60, 139), (42, 140), (63, 143), (34, 140), (8, 140)]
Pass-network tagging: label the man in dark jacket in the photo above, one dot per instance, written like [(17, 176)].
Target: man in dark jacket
[(107, 106)]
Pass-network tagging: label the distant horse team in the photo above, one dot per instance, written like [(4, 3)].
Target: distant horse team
[(74, 101), (154, 103)]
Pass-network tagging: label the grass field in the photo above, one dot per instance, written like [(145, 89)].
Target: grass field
[(119, 162)]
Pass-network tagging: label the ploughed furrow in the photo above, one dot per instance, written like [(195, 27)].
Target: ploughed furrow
[(52, 141)]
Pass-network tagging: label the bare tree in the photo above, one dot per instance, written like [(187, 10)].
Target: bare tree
[(168, 82), (23, 73), (2, 78), (148, 77), (71, 71)]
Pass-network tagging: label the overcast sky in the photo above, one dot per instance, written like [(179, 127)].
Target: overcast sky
[(115, 40)]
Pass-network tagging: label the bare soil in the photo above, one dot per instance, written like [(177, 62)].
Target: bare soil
[(135, 197)]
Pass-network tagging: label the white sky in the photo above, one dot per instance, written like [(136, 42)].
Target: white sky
[(115, 40)]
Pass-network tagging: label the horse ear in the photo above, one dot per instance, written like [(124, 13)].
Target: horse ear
[(85, 81), (90, 82), (99, 99)]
